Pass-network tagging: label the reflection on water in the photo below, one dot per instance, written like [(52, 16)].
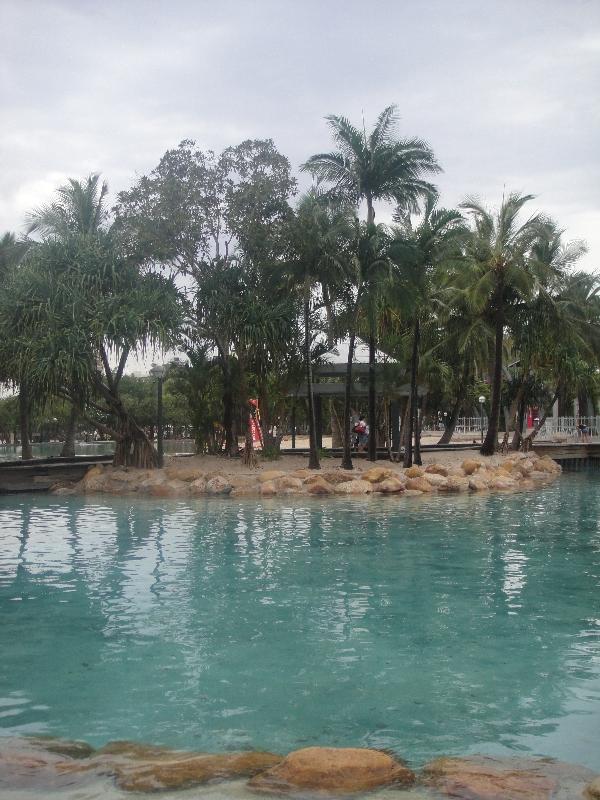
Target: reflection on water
[(445, 626), (53, 449)]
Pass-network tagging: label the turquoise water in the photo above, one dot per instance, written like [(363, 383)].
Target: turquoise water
[(450, 625), (51, 449)]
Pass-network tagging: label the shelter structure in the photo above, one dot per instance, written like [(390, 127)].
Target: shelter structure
[(329, 381)]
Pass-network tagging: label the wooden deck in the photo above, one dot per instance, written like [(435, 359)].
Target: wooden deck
[(39, 474), (568, 451)]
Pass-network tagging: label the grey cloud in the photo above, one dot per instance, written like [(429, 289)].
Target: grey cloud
[(506, 92)]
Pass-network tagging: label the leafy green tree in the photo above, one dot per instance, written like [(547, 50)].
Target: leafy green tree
[(378, 167)]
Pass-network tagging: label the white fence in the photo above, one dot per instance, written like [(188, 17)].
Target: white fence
[(571, 428), (463, 425)]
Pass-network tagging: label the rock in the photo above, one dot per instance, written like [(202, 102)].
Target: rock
[(546, 464), (61, 747), (469, 466), (503, 484), (169, 489), (335, 476), (318, 486), (191, 770), (218, 485), (437, 469), (197, 487), (412, 493), (592, 790), (64, 491), (414, 472), (484, 778), (540, 478), (333, 770), (378, 474), (389, 486), (29, 764), (436, 480), (180, 472), (478, 484), (140, 751), (268, 489), (357, 486), (270, 475), (525, 466), (289, 483), (455, 483), (419, 484)]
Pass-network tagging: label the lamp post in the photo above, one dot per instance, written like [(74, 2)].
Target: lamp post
[(481, 402), (158, 371)]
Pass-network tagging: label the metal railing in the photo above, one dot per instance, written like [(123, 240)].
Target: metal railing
[(571, 428)]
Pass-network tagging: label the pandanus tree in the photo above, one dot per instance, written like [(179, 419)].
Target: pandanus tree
[(502, 270), (78, 209), (421, 252), (320, 236), (12, 366), (377, 167), (78, 308)]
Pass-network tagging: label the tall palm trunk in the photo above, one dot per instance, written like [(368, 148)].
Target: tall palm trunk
[(24, 419), (372, 409), (414, 396), (347, 457), (68, 448), (461, 392), (488, 448), (313, 456)]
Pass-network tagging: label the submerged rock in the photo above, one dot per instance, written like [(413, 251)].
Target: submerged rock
[(592, 790), (191, 770), (334, 770), (486, 778)]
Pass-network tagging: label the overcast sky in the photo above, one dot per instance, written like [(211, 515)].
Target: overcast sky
[(506, 91)]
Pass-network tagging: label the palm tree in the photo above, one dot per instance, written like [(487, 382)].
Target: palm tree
[(378, 167), (499, 252), (420, 253), (369, 257), (320, 240), (78, 209)]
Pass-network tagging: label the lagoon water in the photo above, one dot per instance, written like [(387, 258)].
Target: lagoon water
[(427, 626)]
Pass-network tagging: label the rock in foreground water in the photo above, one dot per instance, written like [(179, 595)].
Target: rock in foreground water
[(486, 778), (334, 770), (184, 772)]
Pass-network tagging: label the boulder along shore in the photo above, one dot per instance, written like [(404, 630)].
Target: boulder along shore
[(200, 476)]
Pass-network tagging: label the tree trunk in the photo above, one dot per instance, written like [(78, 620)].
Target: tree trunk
[(372, 442), (337, 429), (313, 456), (231, 445), (132, 448), (68, 448), (24, 412), (347, 457), (418, 428), (414, 397), (448, 433), (488, 448), (518, 434), (529, 439)]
